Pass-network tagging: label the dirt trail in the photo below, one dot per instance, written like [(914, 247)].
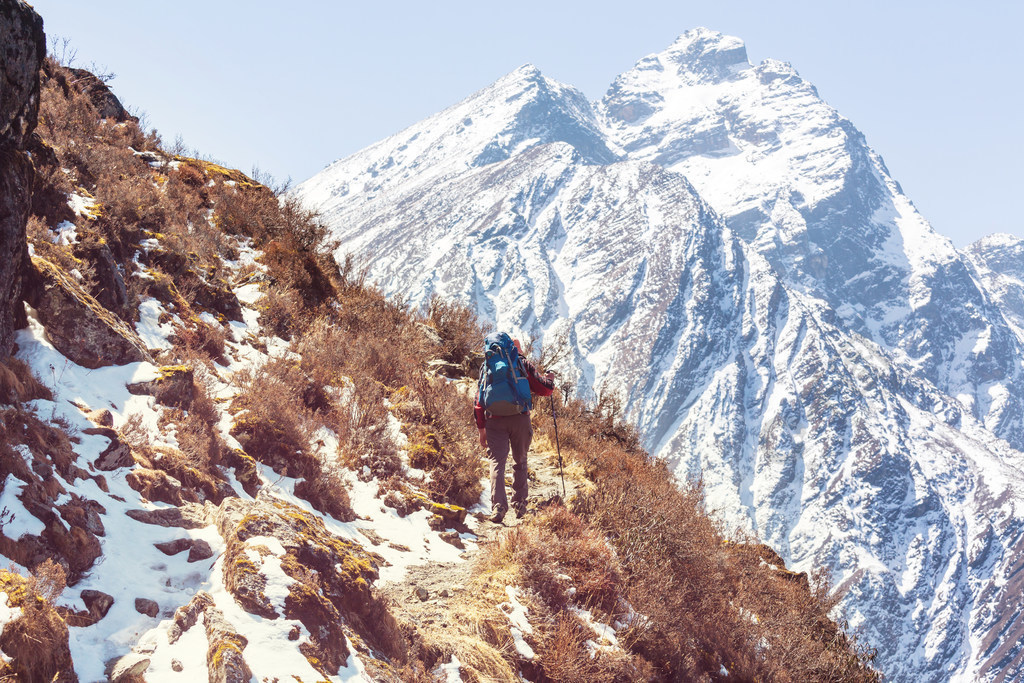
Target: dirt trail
[(424, 595)]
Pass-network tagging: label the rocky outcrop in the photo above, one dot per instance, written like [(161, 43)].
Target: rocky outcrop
[(106, 103), (332, 580), (77, 325), (174, 386), (22, 48)]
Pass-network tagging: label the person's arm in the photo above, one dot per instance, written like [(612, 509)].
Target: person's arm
[(481, 423), (542, 385)]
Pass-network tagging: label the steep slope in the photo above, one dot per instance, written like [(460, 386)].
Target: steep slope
[(807, 371), (797, 181), (224, 459), (998, 261), (516, 112), (809, 435)]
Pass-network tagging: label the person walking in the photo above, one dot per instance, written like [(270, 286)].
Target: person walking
[(502, 412)]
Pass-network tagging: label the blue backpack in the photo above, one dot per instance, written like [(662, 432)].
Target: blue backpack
[(504, 388)]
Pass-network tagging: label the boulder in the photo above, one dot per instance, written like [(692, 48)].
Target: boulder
[(174, 547), (146, 606), (77, 325), (174, 387), (101, 417), (22, 48), (332, 585), (200, 550), (188, 516), (116, 454), (159, 486), (127, 669), (97, 602), (186, 616)]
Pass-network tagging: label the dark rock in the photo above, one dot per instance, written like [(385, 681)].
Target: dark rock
[(200, 550), (22, 48), (84, 513), (77, 325), (159, 486), (110, 290), (117, 454), (49, 201), (174, 547), (176, 666), (146, 606), (453, 538), (295, 633), (127, 669), (106, 103), (174, 387), (422, 593), (97, 602)]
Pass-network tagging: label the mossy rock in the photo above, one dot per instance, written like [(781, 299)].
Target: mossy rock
[(333, 579), (247, 470), (77, 324), (174, 386), (451, 514)]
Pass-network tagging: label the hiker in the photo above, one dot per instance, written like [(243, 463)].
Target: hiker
[(502, 411)]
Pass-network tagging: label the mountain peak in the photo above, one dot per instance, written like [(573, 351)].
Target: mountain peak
[(707, 54)]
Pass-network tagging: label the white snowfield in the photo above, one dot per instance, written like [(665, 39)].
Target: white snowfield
[(718, 245)]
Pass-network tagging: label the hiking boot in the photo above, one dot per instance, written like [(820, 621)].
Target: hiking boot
[(520, 511), (497, 516)]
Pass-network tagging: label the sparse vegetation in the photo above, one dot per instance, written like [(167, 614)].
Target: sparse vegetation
[(361, 386)]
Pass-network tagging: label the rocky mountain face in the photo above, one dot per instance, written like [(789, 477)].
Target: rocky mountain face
[(22, 47), (798, 182), (721, 249)]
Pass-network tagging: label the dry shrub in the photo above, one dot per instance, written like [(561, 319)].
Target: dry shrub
[(544, 560), (565, 656), (201, 341), (695, 590), (272, 422), (197, 433), (459, 328), (35, 644), (447, 441), (18, 383), (328, 493), (281, 312), (48, 580)]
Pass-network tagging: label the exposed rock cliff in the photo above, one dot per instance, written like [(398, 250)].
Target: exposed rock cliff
[(22, 48)]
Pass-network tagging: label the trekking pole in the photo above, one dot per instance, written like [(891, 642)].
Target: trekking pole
[(558, 447)]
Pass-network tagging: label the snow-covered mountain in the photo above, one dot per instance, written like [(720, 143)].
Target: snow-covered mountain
[(718, 245), (797, 181)]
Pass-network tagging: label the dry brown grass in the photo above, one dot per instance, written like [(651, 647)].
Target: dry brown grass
[(18, 383), (36, 642), (706, 601), (460, 329)]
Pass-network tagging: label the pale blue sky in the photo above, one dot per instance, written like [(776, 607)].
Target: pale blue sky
[(935, 86)]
